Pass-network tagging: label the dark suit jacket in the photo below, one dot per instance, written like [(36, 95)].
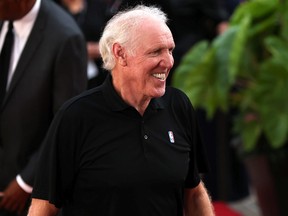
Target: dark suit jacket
[(92, 20), (51, 69)]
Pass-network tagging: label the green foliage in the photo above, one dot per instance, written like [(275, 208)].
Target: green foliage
[(251, 56)]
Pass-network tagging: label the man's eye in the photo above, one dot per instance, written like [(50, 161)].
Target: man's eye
[(155, 52)]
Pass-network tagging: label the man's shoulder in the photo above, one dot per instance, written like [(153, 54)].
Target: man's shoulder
[(84, 101), (172, 92), (176, 98)]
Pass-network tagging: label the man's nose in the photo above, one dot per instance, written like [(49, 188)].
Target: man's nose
[(167, 60)]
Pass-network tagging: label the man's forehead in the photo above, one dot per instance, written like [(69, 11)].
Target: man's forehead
[(153, 28)]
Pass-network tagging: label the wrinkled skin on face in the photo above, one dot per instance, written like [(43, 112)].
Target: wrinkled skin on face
[(15, 9), (149, 67), (144, 73)]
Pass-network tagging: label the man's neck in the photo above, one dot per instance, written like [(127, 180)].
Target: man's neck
[(135, 99)]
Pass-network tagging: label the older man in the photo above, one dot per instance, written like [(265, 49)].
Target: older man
[(130, 146)]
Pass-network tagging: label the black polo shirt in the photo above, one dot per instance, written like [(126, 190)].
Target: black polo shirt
[(101, 157)]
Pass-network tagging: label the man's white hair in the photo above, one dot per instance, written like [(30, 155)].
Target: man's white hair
[(121, 28)]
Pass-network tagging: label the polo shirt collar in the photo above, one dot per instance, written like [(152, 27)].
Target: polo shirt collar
[(157, 103), (116, 102), (112, 98)]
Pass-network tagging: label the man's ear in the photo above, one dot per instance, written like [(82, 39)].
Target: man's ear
[(119, 53)]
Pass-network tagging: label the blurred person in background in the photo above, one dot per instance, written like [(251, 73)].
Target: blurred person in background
[(47, 66), (91, 16)]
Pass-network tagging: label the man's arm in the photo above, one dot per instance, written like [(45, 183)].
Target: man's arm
[(42, 208), (197, 202)]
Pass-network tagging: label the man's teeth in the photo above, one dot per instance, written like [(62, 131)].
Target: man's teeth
[(161, 76)]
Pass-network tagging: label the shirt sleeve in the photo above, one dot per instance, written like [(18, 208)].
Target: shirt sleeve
[(198, 162), (56, 168)]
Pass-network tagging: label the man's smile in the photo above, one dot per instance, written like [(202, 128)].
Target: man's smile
[(161, 76)]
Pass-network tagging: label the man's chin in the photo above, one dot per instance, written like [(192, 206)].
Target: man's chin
[(159, 93)]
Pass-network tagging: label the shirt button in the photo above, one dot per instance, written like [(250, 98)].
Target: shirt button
[(145, 137)]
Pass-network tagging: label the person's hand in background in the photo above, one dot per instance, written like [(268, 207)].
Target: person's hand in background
[(13, 198)]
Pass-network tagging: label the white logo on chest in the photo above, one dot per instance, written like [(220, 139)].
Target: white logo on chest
[(171, 136)]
